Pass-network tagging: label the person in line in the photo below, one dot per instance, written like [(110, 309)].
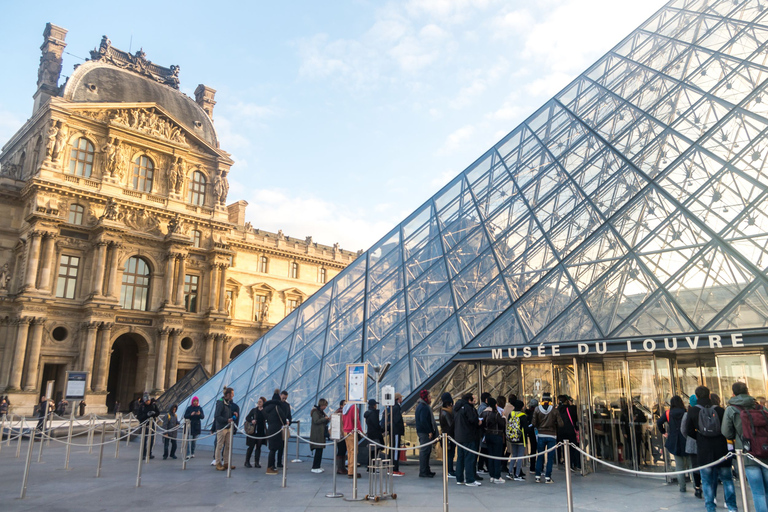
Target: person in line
[(467, 427), (3, 407), (447, 427), (341, 448), (482, 462), (226, 417), (739, 406), (675, 440), (195, 415), (570, 430), (398, 428), (517, 422), (61, 408), (546, 420), (704, 423), (530, 433), (426, 429), (350, 421), (170, 422), (318, 433), (501, 404), (274, 412), (690, 449), (494, 426), (148, 411), (43, 407), (288, 419), (82, 407), (257, 420), (373, 425)]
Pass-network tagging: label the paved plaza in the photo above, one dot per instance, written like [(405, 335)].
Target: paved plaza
[(164, 486)]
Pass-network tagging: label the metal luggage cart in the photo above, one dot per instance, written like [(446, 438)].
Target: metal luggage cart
[(381, 483)]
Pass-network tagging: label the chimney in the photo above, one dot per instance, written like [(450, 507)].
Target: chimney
[(50, 64), (236, 212), (204, 97)]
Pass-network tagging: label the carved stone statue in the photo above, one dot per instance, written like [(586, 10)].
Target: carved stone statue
[(265, 312), (336, 247), (175, 224), (110, 211), (221, 187), (280, 234), (111, 151), (308, 240), (141, 220), (228, 306), (59, 143), (51, 135), (176, 176), (5, 277), (248, 226)]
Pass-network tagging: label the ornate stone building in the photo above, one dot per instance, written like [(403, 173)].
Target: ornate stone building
[(118, 252)]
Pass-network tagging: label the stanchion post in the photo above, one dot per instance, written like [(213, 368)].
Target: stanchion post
[(354, 457), (298, 433), (101, 449), (150, 438), (2, 431), (119, 433), (130, 426), (286, 437), (335, 494), (69, 436), (742, 479), (91, 426), (21, 431), (568, 483), (184, 441), (26, 466), (42, 434), (141, 449), (229, 449), (445, 471)]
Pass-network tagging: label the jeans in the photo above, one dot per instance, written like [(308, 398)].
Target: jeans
[(166, 442), (191, 444), (682, 462), (495, 449), (424, 455), (465, 464), (757, 476), (318, 458), (451, 453), (709, 478), (516, 466), (545, 443)]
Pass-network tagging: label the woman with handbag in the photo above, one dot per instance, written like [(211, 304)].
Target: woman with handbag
[(317, 433), (255, 427), (570, 430)]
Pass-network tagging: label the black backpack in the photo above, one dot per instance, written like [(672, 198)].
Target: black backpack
[(709, 421)]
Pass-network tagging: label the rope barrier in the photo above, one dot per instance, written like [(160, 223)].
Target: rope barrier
[(406, 448), (654, 473), (242, 429), (755, 459), (524, 457), (118, 439)]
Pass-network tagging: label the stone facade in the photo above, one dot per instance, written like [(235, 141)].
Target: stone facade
[(118, 252)]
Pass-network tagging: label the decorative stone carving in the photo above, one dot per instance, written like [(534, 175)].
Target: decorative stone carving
[(51, 135), (5, 277), (12, 171), (280, 235), (59, 143), (149, 121), (110, 211), (112, 155), (221, 187), (176, 176), (138, 63), (143, 221), (175, 225)]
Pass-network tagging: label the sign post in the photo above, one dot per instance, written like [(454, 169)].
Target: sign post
[(75, 391), (357, 392)]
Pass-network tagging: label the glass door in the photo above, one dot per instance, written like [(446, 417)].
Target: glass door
[(537, 380), (607, 384), (641, 411), (747, 368)]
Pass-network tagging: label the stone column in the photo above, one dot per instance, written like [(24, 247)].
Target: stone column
[(208, 356), (33, 355), (33, 260), (181, 271), (5, 362), (173, 366), (86, 365), (98, 268), (114, 256), (161, 354), (168, 279), (219, 352), (105, 350), (19, 349), (49, 246), (223, 290), (213, 303)]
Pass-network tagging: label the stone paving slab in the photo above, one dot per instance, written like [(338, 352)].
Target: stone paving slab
[(202, 489)]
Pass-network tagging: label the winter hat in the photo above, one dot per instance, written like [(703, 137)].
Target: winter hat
[(446, 398), (533, 402), (546, 397), (693, 400), (424, 394), (518, 405), (195, 399)]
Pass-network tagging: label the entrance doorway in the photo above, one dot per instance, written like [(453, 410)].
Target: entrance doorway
[(57, 375), (127, 370)]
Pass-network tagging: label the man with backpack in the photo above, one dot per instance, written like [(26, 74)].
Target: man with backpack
[(517, 420), (746, 422), (547, 421), (704, 422)]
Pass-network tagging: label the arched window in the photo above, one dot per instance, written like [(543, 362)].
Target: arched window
[(294, 272), (76, 212), (197, 238), (143, 172), (322, 275), (81, 158), (264, 265), (196, 195), (136, 279)]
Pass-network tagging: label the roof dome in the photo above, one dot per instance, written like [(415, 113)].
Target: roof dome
[(100, 82)]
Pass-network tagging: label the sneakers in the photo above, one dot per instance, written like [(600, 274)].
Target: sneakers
[(247, 465), (459, 483), (213, 462), (271, 471), (697, 492), (478, 478), (548, 480), (451, 476), (317, 470), (519, 479), (400, 473), (473, 484), (498, 481), (538, 479), (482, 472)]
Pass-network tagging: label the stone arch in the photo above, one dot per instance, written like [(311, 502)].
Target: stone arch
[(129, 368), (239, 347)]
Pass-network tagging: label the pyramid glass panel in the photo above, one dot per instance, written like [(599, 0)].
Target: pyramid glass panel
[(633, 204)]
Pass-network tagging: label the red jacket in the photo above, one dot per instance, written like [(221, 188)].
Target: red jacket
[(348, 419)]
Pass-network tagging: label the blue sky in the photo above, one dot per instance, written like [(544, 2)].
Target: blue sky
[(342, 117)]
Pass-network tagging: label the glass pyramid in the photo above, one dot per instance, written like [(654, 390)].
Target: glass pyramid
[(633, 202)]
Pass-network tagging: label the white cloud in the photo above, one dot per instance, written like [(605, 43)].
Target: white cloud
[(457, 139)]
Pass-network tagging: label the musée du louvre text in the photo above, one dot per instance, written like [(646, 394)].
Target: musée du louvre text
[(669, 344)]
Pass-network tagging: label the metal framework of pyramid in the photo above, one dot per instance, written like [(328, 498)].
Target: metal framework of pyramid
[(633, 202)]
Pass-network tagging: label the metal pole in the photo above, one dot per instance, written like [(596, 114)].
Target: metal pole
[(742, 479), (130, 426), (49, 429), (21, 431), (568, 483), (286, 437), (119, 433), (354, 456), (26, 466), (298, 433), (2, 431), (69, 434), (445, 472), (91, 426), (335, 494), (101, 449), (229, 449), (184, 442), (141, 449), (42, 434), (150, 439)]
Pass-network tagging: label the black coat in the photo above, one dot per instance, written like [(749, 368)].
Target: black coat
[(568, 431), (373, 427), (675, 442), (261, 430), (398, 425), (709, 448), (194, 421), (147, 412), (466, 423), (223, 412), (276, 415)]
